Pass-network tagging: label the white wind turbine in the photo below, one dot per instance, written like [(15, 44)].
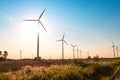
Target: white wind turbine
[(39, 22), (78, 53), (117, 51), (63, 41), (21, 51), (88, 54), (113, 49), (81, 54), (73, 50)]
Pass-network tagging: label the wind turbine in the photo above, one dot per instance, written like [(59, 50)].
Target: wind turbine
[(78, 52), (73, 50), (63, 41), (81, 54), (21, 53), (88, 54), (117, 50), (39, 22), (113, 49)]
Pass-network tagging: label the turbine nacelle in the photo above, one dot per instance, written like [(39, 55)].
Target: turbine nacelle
[(62, 39), (37, 20)]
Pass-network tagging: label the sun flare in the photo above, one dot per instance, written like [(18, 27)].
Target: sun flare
[(29, 30)]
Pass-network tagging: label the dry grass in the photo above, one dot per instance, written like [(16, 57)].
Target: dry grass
[(58, 70)]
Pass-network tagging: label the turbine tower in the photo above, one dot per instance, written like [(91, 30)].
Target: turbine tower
[(117, 50), (63, 41), (78, 52), (88, 54), (21, 53), (39, 22), (73, 50), (113, 49)]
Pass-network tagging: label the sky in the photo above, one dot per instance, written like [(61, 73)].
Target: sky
[(91, 24)]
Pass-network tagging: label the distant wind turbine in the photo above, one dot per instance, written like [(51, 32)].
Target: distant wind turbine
[(39, 22), (78, 52), (21, 51), (73, 50), (117, 50), (113, 46), (63, 41), (88, 54)]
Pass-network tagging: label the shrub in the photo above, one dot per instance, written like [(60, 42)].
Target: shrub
[(35, 77), (96, 58), (97, 71), (27, 69), (89, 57), (77, 70), (79, 63), (4, 77), (2, 59)]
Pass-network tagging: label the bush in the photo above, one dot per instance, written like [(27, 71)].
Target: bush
[(77, 62), (36, 77), (97, 71), (96, 58), (89, 57), (4, 77), (66, 72), (77, 70), (2, 59), (27, 69)]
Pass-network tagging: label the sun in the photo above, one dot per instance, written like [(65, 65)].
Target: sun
[(29, 30)]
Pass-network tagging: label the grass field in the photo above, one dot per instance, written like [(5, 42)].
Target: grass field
[(87, 69)]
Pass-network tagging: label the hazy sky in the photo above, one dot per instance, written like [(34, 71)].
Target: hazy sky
[(91, 24)]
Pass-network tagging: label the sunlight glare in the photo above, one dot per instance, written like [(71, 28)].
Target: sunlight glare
[(29, 30)]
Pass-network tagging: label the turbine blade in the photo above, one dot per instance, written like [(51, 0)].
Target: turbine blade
[(30, 20), (41, 14), (65, 42), (73, 45), (42, 25), (63, 36), (59, 40)]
